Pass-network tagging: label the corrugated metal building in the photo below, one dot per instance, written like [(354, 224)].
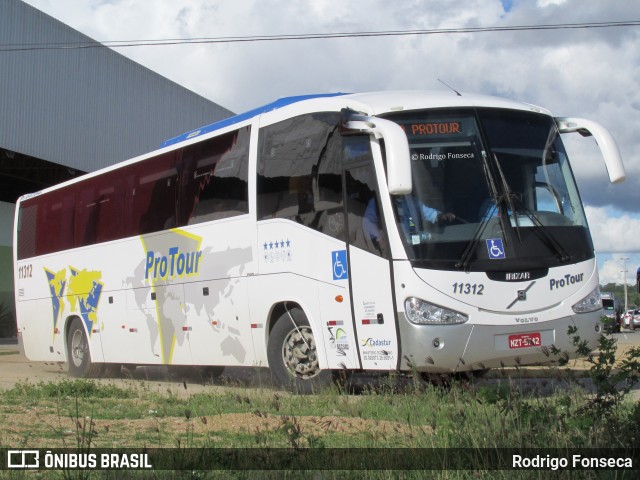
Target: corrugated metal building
[(66, 111)]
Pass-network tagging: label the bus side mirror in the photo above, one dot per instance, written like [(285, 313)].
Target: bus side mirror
[(605, 141), (396, 148)]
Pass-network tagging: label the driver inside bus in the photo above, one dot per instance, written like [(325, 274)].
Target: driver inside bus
[(407, 208)]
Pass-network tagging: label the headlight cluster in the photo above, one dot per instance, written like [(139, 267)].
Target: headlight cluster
[(424, 313), (590, 303)]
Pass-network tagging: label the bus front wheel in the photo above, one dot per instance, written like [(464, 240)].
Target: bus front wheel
[(293, 355), (78, 354)]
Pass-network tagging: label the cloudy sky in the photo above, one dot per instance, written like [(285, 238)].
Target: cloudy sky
[(591, 72)]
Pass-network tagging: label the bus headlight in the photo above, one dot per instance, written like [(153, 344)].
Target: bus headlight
[(590, 303), (424, 313)]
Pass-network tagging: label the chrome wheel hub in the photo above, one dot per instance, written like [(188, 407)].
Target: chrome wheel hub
[(78, 348), (299, 353)]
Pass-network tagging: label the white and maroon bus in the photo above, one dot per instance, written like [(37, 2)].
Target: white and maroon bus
[(407, 231)]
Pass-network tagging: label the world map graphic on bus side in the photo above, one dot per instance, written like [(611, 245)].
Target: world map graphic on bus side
[(80, 291), (168, 259)]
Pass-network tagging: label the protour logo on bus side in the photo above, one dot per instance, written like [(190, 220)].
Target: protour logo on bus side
[(175, 264), (168, 257), (172, 256)]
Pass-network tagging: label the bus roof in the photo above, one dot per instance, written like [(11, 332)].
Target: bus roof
[(370, 103), (375, 102), (281, 102)]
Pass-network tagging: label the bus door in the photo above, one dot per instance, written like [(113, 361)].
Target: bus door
[(369, 268)]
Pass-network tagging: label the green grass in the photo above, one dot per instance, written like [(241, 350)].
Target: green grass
[(432, 417), (89, 414)]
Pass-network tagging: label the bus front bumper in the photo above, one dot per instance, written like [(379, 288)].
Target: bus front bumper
[(466, 347)]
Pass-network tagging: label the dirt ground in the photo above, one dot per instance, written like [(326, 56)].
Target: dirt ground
[(43, 426), (15, 367), (55, 430)]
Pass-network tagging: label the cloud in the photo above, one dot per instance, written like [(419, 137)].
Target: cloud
[(546, 3), (613, 233), (611, 268)]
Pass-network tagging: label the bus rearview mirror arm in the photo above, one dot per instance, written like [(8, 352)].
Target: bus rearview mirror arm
[(396, 148), (606, 143)]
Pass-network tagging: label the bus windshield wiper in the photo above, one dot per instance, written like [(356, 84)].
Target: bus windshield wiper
[(544, 234), (498, 202), (509, 196), (465, 258)]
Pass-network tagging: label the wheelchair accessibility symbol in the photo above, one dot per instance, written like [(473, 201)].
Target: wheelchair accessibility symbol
[(339, 261), (495, 248)]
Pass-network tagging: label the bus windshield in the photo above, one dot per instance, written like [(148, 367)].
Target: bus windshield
[(492, 190)]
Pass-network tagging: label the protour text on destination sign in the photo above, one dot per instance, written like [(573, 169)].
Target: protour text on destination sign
[(440, 128)]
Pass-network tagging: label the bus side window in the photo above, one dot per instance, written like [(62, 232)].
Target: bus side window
[(99, 209), (151, 194), (27, 228), (46, 223), (214, 178), (299, 172), (56, 218)]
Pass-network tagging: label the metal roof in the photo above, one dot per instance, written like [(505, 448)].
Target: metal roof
[(84, 108)]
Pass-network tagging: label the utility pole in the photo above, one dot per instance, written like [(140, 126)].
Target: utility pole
[(624, 272)]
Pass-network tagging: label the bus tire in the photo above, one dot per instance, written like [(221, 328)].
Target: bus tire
[(292, 354), (78, 354)]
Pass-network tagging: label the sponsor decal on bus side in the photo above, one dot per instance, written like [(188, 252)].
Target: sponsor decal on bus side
[(376, 342), (339, 340), (372, 351)]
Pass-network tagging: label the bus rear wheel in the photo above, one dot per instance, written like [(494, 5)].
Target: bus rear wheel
[(78, 354), (293, 355)]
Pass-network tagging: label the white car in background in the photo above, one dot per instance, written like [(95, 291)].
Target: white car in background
[(627, 318)]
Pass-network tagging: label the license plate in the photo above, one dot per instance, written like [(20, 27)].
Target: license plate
[(524, 340)]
